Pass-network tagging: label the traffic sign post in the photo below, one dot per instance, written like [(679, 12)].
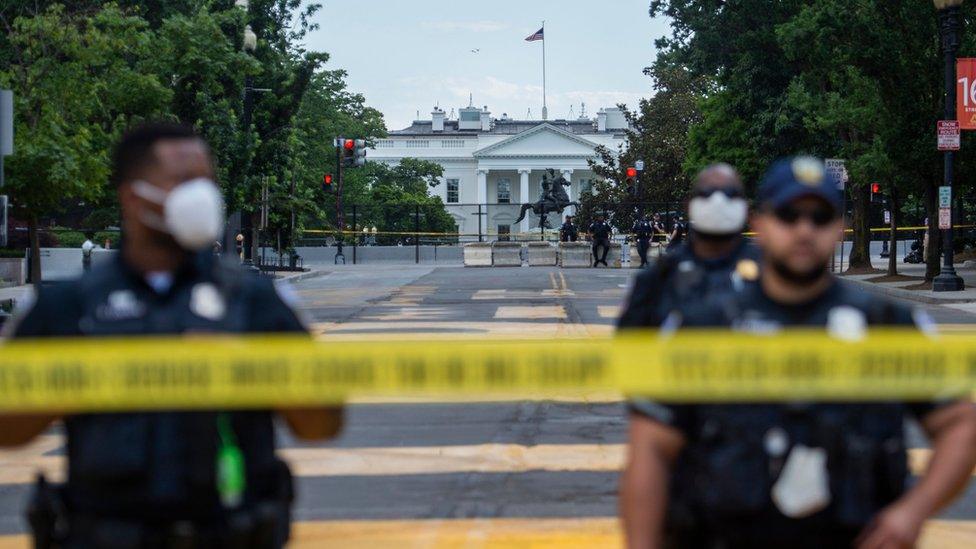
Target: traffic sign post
[(949, 135)]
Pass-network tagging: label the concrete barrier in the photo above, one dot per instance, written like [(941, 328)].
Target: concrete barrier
[(575, 254), (13, 271), (541, 254), (65, 263), (506, 254), (477, 254), (614, 257)]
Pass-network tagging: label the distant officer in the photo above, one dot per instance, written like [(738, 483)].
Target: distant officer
[(567, 231), (798, 474), (678, 233), (660, 233), (600, 232), (643, 231), (710, 261), (165, 479), (87, 247)]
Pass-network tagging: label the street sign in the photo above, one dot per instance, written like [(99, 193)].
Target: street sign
[(966, 96), (948, 131), (945, 218), (836, 168), (887, 217), (639, 165), (945, 197)]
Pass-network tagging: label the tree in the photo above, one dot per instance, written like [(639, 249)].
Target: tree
[(658, 136), (78, 81)]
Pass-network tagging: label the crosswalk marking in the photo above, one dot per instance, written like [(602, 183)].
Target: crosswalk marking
[(452, 329), (530, 312), (20, 467)]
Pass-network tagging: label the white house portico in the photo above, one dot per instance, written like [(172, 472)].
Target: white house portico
[(498, 164)]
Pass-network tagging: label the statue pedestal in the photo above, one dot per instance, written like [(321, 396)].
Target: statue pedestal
[(477, 254), (541, 254), (506, 254)]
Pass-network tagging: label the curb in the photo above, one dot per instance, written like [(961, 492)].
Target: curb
[(904, 294), (302, 276)]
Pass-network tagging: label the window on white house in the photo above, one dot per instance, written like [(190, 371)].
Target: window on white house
[(586, 186), (453, 190), (504, 233), (504, 191)]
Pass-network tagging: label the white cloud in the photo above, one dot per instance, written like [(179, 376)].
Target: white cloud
[(469, 26)]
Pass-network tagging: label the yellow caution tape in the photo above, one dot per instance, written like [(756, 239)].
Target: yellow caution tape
[(268, 372)]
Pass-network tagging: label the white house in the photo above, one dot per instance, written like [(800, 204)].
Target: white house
[(498, 163)]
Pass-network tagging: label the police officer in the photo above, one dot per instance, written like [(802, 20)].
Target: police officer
[(87, 248), (677, 233), (643, 231), (165, 479), (600, 232), (709, 262), (567, 231), (798, 474)]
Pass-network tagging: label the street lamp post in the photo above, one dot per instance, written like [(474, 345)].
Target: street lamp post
[(250, 45), (949, 27)]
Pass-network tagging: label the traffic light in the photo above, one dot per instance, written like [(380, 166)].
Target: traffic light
[(359, 153), (875, 192), (327, 183), (348, 152), (631, 172)]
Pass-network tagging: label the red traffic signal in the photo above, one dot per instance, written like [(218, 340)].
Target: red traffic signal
[(631, 172), (349, 144), (327, 183), (875, 188)]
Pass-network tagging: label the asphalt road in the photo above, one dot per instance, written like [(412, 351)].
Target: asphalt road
[(403, 467)]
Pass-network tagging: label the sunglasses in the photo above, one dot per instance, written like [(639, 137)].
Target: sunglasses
[(731, 193), (820, 217)]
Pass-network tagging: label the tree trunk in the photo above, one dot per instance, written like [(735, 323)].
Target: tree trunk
[(932, 252), (35, 250), (860, 257), (893, 233)]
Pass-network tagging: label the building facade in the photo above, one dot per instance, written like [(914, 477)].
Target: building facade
[(493, 165)]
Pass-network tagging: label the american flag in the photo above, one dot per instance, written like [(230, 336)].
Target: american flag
[(537, 36)]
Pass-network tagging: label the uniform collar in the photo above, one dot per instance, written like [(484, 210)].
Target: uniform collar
[(191, 269)]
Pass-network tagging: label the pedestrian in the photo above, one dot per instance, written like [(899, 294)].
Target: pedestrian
[(567, 231), (165, 479), (86, 252), (643, 231), (600, 232), (797, 474), (709, 262)]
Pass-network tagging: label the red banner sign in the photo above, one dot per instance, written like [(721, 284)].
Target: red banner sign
[(966, 93)]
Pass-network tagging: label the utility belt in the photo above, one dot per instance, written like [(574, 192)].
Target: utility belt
[(261, 525), (833, 469)]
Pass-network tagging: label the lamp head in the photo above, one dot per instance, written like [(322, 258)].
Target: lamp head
[(250, 39)]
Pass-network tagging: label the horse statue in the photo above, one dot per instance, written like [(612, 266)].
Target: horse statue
[(554, 199)]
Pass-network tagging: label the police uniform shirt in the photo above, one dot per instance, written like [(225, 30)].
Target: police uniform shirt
[(160, 465), (643, 230), (680, 276), (840, 309), (600, 230)]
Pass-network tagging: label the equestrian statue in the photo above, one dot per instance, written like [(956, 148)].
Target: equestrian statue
[(554, 199)]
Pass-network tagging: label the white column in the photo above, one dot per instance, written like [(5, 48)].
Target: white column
[(568, 175), (524, 197), (482, 186)]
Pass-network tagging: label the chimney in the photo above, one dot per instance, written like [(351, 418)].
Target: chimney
[(615, 119), (437, 119), (601, 120), (485, 120)]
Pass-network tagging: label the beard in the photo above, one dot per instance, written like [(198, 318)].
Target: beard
[(806, 277)]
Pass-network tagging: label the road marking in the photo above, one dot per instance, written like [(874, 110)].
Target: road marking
[(409, 313), (538, 533), (20, 467), (444, 330), (530, 312), (609, 311)]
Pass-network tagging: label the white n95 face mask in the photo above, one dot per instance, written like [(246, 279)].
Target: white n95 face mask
[(718, 214), (193, 212)]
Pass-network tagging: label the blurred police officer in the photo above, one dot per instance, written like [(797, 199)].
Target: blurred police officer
[(678, 233), (796, 474), (600, 232), (710, 261), (643, 231), (165, 479), (567, 231)]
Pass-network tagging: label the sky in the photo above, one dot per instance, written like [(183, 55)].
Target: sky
[(410, 55)]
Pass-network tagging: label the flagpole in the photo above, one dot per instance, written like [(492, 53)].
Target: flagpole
[(545, 111)]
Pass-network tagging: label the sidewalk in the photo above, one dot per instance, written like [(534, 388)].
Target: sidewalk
[(900, 289)]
